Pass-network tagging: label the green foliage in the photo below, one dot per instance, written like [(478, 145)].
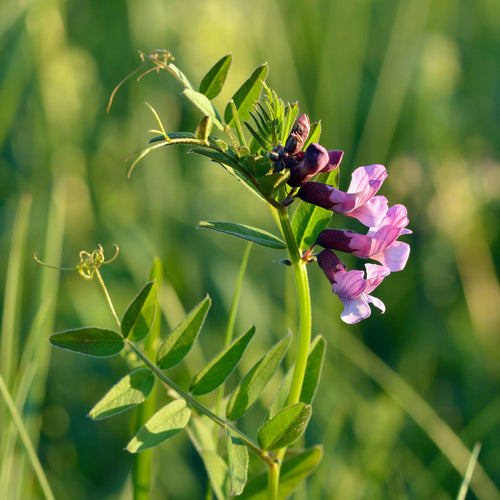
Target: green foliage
[(250, 388), (92, 341), (314, 134), (214, 373), (237, 454), (309, 220), (293, 471), (178, 344), (130, 391), (249, 233), (140, 314), (314, 366), (285, 427), (164, 424), (213, 82), (246, 95), (202, 102)]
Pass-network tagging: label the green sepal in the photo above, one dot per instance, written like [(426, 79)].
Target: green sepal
[(247, 95), (164, 424), (249, 233), (250, 388), (293, 471), (285, 427), (178, 344), (89, 340), (140, 314), (130, 391), (213, 82), (216, 371)]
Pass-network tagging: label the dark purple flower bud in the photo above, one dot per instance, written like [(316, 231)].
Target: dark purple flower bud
[(317, 193), (335, 239), (330, 264), (315, 160), (298, 135)]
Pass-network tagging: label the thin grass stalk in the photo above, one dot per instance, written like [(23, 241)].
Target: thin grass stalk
[(28, 445)]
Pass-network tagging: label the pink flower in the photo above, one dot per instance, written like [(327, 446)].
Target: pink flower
[(359, 201), (352, 288), (378, 244)]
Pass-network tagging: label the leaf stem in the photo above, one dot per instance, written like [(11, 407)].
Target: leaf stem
[(108, 298)]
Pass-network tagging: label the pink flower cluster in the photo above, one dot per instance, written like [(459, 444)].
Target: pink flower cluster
[(385, 225)]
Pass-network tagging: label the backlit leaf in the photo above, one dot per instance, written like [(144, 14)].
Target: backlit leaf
[(249, 233), (202, 102), (293, 471), (164, 424), (285, 427), (309, 220), (130, 391), (237, 454), (177, 345), (214, 80), (216, 371), (250, 388), (314, 134), (90, 340), (247, 95), (140, 314), (218, 473)]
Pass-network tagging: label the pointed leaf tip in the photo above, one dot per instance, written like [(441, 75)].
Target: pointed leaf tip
[(178, 344), (130, 391), (213, 82), (90, 340), (164, 424), (140, 314)]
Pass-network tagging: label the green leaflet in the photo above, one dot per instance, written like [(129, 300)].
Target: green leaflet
[(314, 134), (285, 427), (293, 471), (311, 380), (213, 82), (130, 391), (237, 454), (213, 374), (309, 220), (202, 102), (247, 95), (177, 345), (164, 424), (90, 340), (246, 232), (250, 388), (140, 314)]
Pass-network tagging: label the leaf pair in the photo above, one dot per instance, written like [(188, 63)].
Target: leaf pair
[(102, 342)]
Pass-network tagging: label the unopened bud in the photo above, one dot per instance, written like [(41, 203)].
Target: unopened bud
[(315, 160), (298, 135), (335, 239), (330, 264)]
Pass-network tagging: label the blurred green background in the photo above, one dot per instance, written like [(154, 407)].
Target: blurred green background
[(412, 84)]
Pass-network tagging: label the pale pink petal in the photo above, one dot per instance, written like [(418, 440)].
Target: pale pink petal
[(394, 256), (355, 310), (366, 181), (349, 284), (370, 213), (376, 302)]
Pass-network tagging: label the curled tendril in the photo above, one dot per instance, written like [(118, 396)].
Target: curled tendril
[(158, 57), (89, 262)]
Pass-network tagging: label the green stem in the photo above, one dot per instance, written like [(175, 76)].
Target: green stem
[(23, 434), (304, 336), (183, 394)]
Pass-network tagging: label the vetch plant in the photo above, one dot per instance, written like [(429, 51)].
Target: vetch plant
[(265, 144)]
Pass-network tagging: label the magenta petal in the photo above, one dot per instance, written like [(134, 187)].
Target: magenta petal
[(335, 157)]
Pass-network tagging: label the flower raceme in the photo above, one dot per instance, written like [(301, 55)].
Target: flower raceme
[(378, 244), (359, 201), (352, 288)]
